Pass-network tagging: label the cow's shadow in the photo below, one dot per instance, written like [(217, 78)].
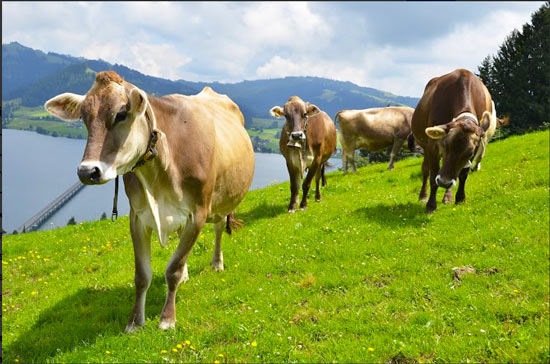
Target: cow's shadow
[(263, 210), (80, 318), (401, 214)]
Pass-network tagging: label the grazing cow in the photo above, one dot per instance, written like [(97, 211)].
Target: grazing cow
[(186, 160), (453, 121), (308, 139), (374, 129)]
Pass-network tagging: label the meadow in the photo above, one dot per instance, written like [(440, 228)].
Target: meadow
[(363, 276)]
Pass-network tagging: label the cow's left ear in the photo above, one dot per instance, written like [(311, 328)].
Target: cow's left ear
[(311, 109), (138, 102), (277, 112), (485, 121), (436, 132)]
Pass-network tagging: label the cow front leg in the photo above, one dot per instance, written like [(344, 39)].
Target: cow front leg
[(394, 150), (460, 194), (423, 196), (295, 178), (176, 268), (141, 238), (448, 196), (217, 257), (433, 159), (351, 159), (315, 165)]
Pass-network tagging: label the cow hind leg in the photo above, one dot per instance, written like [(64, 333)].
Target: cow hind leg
[(318, 176), (217, 257), (176, 270), (313, 170), (141, 238), (323, 178), (394, 150)]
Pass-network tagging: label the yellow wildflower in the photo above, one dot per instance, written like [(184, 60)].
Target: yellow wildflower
[(163, 351), (291, 322), (371, 349), (107, 352), (175, 350), (253, 343), (187, 342), (34, 292), (179, 346), (3, 262), (192, 347), (220, 355), (216, 362)]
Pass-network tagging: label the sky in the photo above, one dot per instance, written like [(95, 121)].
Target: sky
[(391, 46)]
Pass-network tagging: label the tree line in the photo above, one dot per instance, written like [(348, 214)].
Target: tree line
[(518, 76)]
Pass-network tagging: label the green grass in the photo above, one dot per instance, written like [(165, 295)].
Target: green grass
[(363, 276)]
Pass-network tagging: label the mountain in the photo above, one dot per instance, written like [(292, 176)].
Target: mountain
[(34, 76)]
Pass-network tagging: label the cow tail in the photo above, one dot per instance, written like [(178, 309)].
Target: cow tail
[(336, 117), (410, 142), (232, 223)]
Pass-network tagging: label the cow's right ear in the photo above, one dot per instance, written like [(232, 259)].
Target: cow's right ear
[(65, 106), (277, 112), (436, 132)]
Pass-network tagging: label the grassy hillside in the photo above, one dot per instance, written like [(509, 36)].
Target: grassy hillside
[(363, 276)]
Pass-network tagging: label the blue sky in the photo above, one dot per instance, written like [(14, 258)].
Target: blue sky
[(392, 46)]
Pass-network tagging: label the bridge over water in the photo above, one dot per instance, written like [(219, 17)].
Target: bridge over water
[(37, 220)]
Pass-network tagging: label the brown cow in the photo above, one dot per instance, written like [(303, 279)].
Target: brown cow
[(308, 139), (186, 160), (454, 120), (374, 129)]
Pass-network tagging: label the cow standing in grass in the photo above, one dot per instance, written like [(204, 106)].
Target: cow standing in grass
[(454, 120), (308, 139), (374, 129), (186, 160)]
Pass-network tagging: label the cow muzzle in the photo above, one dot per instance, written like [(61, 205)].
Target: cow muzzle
[(93, 173), (296, 139), (442, 182)]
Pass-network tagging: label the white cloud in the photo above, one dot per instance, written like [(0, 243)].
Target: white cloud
[(232, 41)]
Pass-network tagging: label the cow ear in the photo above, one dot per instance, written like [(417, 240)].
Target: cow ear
[(485, 121), (277, 112), (436, 132), (65, 106), (311, 109), (138, 102)]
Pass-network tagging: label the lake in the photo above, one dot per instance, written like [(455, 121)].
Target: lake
[(37, 168)]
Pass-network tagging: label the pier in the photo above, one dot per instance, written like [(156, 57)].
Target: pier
[(37, 220)]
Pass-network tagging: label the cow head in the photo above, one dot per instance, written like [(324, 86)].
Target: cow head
[(457, 142), (118, 132), (296, 113)]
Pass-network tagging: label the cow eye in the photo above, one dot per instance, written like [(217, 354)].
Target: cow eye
[(120, 116)]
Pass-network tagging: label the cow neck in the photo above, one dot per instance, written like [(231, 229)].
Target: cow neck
[(467, 115), (151, 151)]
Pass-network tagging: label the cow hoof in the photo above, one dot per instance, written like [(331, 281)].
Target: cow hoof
[(303, 208), (167, 325), (131, 328), (318, 199), (423, 198), (291, 211), (217, 266), (446, 201), (430, 209)]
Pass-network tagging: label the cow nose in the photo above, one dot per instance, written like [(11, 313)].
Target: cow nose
[(297, 135), (89, 174), (444, 183)]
